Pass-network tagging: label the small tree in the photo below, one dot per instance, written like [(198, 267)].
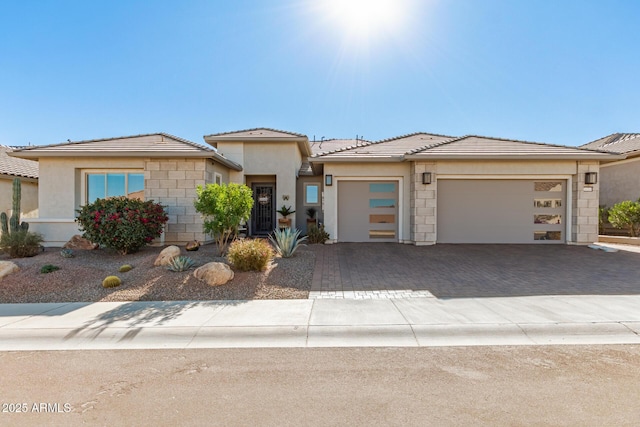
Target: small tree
[(224, 207), (626, 215)]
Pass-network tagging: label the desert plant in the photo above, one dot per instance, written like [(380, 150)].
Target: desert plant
[(285, 211), (111, 282), (180, 263), (250, 254), (626, 214), (67, 253), (13, 224), (122, 224), (286, 241), (21, 243), (224, 207), (317, 234), (124, 268), (49, 268)]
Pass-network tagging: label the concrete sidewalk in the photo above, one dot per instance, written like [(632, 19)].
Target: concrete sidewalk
[(536, 320)]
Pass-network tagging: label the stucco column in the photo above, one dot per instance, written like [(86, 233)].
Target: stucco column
[(423, 204), (585, 200)]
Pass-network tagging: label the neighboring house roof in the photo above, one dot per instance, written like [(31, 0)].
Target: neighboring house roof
[(16, 167), (616, 143), (328, 145), (385, 149), (261, 134), (145, 145), (434, 146)]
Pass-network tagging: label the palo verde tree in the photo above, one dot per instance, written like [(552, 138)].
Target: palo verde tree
[(224, 207)]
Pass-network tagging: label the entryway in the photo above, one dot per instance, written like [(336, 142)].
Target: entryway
[(263, 213)]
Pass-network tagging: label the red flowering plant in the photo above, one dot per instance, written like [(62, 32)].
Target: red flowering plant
[(122, 224)]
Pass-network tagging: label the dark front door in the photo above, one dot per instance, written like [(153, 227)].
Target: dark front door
[(263, 213)]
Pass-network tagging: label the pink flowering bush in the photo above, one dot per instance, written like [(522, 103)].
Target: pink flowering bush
[(122, 224)]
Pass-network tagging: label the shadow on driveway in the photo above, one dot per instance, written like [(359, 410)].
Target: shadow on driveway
[(465, 271)]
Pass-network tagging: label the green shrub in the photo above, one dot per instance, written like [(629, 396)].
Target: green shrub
[(603, 218), (111, 282), (626, 215), (252, 254), (20, 244), (317, 234), (180, 263), (49, 268), (125, 268), (224, 207), (286, 241), (122, 224)]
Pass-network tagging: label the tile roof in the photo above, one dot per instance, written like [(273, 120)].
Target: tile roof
[(329, 145), (474, 146), (150, 144), (616, 143), (258, 132), (392, 147), (16, 167)]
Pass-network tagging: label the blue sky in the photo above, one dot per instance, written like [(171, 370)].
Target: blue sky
[(564, 72)]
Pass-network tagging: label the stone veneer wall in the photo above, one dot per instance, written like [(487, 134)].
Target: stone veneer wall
[(423, 204), (172, 182), (584, 213)]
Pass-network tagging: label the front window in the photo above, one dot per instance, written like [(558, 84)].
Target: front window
[(103, 185), (312, 194)]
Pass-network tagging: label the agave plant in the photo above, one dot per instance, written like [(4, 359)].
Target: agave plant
[(180, 263), (286, 241)]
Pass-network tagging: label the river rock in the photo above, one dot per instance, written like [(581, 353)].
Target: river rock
[(167, 255)]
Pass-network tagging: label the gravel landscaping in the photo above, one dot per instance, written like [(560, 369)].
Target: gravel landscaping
[(79, 279)]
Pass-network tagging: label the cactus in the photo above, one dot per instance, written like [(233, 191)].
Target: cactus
[(111, 282), (4, 222), (180, 263), (13, 224), (125, 268)]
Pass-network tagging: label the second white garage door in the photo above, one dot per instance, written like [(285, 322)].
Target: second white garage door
[(501, 211)]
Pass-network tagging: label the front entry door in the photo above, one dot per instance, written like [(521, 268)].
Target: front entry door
[(263, 213)]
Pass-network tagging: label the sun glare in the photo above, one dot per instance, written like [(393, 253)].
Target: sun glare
[(364, 19)]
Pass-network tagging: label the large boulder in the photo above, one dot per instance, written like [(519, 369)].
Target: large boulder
[(6, 268), (214, 273), (167, 255), (79, 242)]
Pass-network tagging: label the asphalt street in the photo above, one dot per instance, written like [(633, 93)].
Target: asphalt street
[(439, 386)]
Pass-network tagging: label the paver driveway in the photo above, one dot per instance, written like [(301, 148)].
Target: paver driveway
[(387, 270)]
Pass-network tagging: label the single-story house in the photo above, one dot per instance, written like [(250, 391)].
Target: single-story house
[(418, 189), (619, 179), (27, 171)]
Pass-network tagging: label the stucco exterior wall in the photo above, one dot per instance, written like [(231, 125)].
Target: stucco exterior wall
[(279, 159), (619, 181), (29, 196), (212, 168), (367, 171)]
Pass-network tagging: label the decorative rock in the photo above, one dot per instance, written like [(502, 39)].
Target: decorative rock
[(192, 246), (214, 273), (79, 242), (7, 267), (167, 255)]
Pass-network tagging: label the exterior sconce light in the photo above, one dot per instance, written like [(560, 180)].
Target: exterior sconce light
[(426, 177), (328, 180), (591, 178)]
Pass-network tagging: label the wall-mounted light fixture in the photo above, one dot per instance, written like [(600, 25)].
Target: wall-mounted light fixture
[(328, 180), (591, 178), (426, 177)]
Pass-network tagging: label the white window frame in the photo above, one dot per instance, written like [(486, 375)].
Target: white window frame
[(217, 178), (85, 172), (316, 184)]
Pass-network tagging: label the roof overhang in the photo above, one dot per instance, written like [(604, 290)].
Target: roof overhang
[(588, 156), (38, 154), (354, 159), (302, 141)]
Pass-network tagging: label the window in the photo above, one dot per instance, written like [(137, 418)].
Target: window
[(553, 186), (382, 187), (312, 194), (103, 185), (217, 178)]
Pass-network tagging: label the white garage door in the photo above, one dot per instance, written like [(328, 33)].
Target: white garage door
[(501, 211), (368, 211)]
